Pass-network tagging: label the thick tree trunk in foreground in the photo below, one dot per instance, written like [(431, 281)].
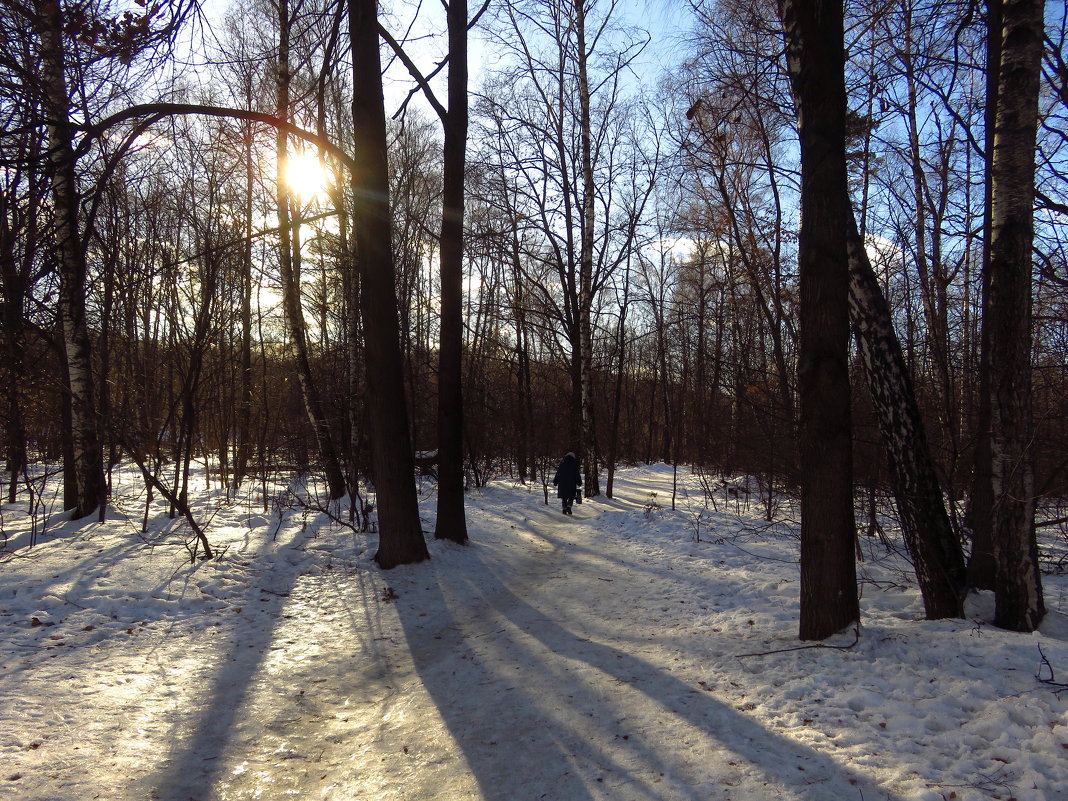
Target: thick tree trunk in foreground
[(451, 519), (87, 458), (936, 553), (814, 39), (400, 532), (1018, 587)]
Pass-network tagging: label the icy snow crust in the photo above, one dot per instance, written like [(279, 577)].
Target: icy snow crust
[(605, 656)]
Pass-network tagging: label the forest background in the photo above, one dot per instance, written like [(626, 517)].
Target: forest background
[(189, 270)]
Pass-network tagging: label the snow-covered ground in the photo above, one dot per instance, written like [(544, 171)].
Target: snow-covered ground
[(610, 656)]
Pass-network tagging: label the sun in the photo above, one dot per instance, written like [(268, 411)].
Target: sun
[(306, 176)]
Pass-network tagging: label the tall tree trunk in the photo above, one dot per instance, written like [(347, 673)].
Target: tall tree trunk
[(575, 428), (451, 520), (14, 372), (103, 350), (525, 416), (87, 458), (400, 533), (814, 41), (13, 369), (19, 252), (353, 362), (617, 395), (290, 274), (982, 570), (936, 553), (243, 434), (592, 484), (1019, 602)]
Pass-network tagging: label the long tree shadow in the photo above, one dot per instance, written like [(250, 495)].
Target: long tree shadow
[(201, 738), (545, 713)]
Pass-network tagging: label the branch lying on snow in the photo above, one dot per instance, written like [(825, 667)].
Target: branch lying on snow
[(1058, 686), (360, 510), (179, 504), (856, 639)]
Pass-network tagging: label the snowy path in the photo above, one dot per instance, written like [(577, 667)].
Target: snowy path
[(563, 635), (545, 663), (527, 666), (593, 658)]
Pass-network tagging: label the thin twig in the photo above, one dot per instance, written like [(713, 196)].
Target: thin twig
[(856, 639), (1059, 687)]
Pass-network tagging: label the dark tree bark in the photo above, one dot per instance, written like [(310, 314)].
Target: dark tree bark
[(400, 533), (617, 395), (87, 456), (982, 570), (1018, 586), (451, 520), (814, 41), (243, 432), (14, 288), (936, 553), (354, 363)]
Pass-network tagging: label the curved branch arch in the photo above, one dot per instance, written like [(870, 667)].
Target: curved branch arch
[(159, 111)]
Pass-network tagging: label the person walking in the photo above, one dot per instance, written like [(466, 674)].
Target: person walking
[(568, 479)]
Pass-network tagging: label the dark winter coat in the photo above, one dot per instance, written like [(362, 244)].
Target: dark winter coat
[(568, 477)]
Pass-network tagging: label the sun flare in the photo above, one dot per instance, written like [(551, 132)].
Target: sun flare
[(305, 175)]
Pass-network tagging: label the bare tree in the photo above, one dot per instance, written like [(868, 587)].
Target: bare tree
[(1018, 590), (289, 255), (70, 260), (937, 557), (451, 521), (558, 108), (815, 54), (22, 188), (400, 535)]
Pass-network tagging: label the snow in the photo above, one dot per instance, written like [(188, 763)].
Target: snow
[(610, 655)]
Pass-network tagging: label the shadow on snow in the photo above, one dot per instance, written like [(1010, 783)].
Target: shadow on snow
[(592, 734)]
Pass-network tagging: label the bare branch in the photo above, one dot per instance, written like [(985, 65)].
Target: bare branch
[(162, 110), (415, 73)]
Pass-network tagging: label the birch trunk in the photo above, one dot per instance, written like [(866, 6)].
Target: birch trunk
[(1018, 587), (936, 553), (86, 457)]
